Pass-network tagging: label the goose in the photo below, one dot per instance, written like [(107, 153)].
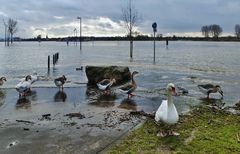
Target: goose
[(2, 79), (24, 86), (105, 84), (59, 82), (131, 87), (210, 88), (167, 112), (34, 77)]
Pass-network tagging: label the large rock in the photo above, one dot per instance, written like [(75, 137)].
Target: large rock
[(98, 73)]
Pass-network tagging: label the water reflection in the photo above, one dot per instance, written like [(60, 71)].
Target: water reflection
[(128, 104), (32, 95), (99, 98), (2, 97), (60, 96), (23, 103)]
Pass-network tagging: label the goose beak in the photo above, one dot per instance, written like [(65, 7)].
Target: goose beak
[(174, 92)]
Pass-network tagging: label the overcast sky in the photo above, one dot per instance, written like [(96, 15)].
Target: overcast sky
[(58, 18)]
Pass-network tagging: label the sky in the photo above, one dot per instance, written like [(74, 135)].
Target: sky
[(58, 18)]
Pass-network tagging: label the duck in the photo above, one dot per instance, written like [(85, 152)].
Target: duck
[(24, 86), (105, 84), (210, 88), (167, 112), (130, 87), (2, 80), (59, 82)]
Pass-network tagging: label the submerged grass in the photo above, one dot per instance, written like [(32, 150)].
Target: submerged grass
[(204, 130)]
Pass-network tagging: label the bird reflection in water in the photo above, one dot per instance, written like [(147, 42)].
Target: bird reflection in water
[(128, 104), (60, 96), (23, 103), (98, 98), (2, 97)]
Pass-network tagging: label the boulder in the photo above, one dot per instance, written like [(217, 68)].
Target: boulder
[(98, 73)]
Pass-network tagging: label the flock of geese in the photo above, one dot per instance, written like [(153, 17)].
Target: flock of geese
[(25, 84), (166, 112)]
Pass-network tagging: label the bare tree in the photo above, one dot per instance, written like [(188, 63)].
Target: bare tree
[(237, 30), (205, 31), (12, 28), (216, 30), (130, 17)]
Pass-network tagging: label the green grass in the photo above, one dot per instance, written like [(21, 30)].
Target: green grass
[(204, 130)]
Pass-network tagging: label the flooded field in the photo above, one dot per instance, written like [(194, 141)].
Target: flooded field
[(186, 64)]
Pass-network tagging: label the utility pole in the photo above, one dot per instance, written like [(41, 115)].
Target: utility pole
[(80, 29)]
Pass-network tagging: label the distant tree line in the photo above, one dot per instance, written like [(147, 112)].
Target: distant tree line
[(237, 30), (10, 29), (211, 30), (215, 30)]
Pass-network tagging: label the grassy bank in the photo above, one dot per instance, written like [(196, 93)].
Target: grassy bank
[(204, 130)]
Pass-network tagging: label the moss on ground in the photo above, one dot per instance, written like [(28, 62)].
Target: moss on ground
[(204, 130)]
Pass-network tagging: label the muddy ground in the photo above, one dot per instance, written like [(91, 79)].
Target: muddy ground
[(43, 124)]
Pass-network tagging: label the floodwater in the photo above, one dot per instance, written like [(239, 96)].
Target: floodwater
[(184, 63)]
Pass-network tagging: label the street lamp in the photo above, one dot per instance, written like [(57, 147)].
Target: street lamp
[(80, 28)]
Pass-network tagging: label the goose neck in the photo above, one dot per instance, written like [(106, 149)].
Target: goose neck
[(169, 96)]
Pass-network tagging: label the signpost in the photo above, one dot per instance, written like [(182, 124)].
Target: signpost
[(154, 26)]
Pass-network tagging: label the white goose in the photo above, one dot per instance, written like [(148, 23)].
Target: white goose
[(167, 112), (34, 77), (24, 86), (105, 84)]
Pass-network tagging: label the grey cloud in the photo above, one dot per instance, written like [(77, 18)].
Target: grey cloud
[(171, 15)]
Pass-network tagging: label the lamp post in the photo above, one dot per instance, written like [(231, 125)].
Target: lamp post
[(154, 26), (80, 28)]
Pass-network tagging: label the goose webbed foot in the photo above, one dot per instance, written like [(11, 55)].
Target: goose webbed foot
[(173, 133), (130, 95), (161, 134)]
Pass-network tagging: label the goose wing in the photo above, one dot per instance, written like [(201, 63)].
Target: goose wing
[(34, 78), (23, 86), (129, 88), (161, 114), (104, 82), (206, 86)]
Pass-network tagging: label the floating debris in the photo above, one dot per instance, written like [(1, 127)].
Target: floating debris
[(25, 121), (12, 144), (26, 129), (46, 117), (79, 115)]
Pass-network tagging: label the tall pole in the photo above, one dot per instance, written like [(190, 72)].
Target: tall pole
[(80, 29), (154, 26), (154, 44), (130, 33)]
